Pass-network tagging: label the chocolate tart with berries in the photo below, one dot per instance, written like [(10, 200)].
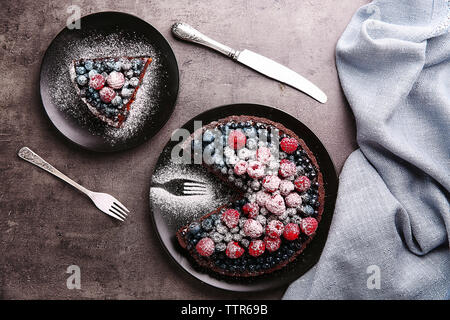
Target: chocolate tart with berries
[(281, 197), (108, 86)]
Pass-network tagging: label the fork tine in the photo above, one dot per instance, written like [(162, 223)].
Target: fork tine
[(121, 206), (194, 193), (117, 212), (195, 184), (194, 189), (112, 214)]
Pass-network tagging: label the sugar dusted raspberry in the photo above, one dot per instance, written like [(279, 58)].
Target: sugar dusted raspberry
[(308, 225), (236, 139), (234, 250), (272, 244), (256, 248), (262, 197), (291, 231), (293, 200), (255, 169), (287, 168), (97, 81), (251, 210), (240, 167), (274, 229), (286, 187), (205, 247), (271, 183), (263, 155), (253, 228), (230, 218), (276, 204), (302, 183), (107, 94), (115, 80), (288, 145)]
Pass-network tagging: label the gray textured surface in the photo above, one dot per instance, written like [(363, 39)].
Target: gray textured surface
[(46, 226)]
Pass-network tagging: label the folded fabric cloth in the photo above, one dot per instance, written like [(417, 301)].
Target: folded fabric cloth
[(389, 238)]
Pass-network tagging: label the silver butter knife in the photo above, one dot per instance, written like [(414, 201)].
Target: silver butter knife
[(253, 60)]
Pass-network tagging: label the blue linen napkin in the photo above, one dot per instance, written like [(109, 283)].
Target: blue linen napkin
[(389, 238)]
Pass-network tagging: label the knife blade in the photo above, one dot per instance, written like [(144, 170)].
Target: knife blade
[(252, 60)]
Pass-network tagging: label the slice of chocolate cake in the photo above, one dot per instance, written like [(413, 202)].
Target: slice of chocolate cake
[(281, 203), (108, 86)]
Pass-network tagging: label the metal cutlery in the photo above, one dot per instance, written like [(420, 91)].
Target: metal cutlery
[(105, 202), (253, 60), (183, 187)]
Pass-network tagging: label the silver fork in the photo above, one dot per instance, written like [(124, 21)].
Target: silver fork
[(105, 202), (183, 187)]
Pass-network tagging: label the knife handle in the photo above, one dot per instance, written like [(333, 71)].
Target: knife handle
[(185, 32)]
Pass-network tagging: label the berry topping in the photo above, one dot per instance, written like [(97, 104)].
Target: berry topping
[(287, 168), (97, 81), (230, 218), (255, 169), (274, 229), (262, 197), (276, 205), (205, 247), (291, 231), (256, 248), (115, 80), (234, 250), (253, 228), (272, 244), (288, 145), (293, 200), (107, 94), (271, 183), (286, 187), (302, 183), (251, 210), (308, 225), (236, 139), (240, 167), (263, 155)]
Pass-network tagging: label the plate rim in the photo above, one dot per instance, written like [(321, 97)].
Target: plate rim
[(125, 147), (247, 286)]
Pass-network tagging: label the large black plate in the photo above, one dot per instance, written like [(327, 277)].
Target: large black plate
[(109, 34), (171, 215)]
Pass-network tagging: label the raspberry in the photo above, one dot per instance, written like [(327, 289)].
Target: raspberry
[(253, 228), (262, 197), (251, 210), (293, 200), (255, 169), (97, 81), (115, 80), (291, 231), (256, 248), (287, 168), (271, 183), (107, 94), (205, 247), (263, 155), (286, 187), (302, 183), (288, 145), (272, 244), (308, 225), (240, 167), (230, 218), (276, 205), (274, 229), (236, 139), (234, 250)]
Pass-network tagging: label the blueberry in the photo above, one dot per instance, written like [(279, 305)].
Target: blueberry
[(96, 95), (126, 65), (232, 125), (308, 210), (266, 266), (208, 136), (251, 268), (223, 266), (89, 65), (194, 228), (207, 224), (82, 80), (137, 73), (117, 66), (136, 64), (92, 72), (117, 101), (80, 70)]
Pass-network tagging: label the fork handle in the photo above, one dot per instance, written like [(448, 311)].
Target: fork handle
[(28, 155)]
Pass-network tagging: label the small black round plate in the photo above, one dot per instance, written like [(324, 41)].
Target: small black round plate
[(101, 35), (171, 212)]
